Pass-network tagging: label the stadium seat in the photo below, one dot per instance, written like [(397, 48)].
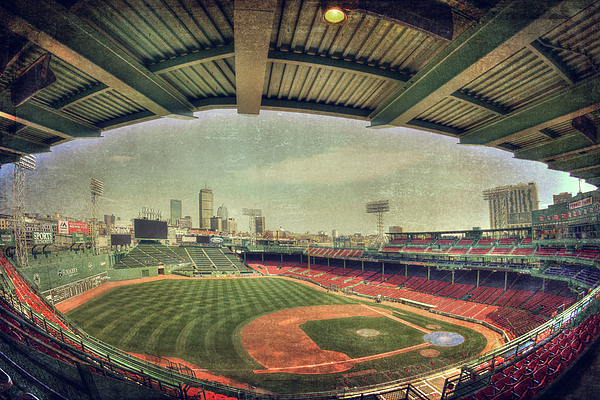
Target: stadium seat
[(555, 365), (505, 395), (501, 384), (540, 375), (521, 389), (485, 393)]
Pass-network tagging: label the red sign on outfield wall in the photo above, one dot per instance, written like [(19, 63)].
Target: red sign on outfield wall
[(70, 227)]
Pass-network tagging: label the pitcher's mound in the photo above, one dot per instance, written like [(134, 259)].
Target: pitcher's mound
[(429, 353)]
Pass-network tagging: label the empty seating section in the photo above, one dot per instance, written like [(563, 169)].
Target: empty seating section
[(546, 252), (421, 242), (522, 252), (501, 251), (27, 295), (525, 376), (513, 311), (486, 242), (479, 251), (464, 242), (401, 242), (206, 259), (507, 242)]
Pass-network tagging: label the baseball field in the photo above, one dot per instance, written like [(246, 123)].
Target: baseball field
[(277, 334)]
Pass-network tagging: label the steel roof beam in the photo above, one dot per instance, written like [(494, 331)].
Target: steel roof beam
[(252, 27), (479, 103), (574, 101), (54, 29), (288, 57), (21, 146), (565, 146), (314, 108), (575, 163), (588, 173), (436, 128), (126, 120), (188, 60), (7, 159), (542, 51), (45, 119), (593, 181), (81, 96), (508, 31)]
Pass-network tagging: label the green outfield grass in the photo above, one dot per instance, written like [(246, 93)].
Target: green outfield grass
[(201, 320)]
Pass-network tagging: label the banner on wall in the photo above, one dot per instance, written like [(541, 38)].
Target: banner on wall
[(41, 238), (7, 238)]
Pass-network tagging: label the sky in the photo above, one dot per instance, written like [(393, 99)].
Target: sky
[(306, 172)]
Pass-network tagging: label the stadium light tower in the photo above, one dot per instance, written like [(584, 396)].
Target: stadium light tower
[(379, 207), (25, 163), (97, 189)]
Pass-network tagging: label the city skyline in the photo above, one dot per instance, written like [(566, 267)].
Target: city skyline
[(307, 172)]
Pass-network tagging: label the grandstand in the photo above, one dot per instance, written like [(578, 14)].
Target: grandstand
[(519, 76), (203, 260)]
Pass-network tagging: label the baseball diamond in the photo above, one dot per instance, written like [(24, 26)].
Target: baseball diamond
[(273, 333)]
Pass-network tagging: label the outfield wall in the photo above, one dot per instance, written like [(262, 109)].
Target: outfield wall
[(47, 272)]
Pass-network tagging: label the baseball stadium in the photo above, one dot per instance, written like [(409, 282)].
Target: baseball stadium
[(509, 312)]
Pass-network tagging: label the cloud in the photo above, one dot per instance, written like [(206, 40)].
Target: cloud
[(121, 159), (341, 165)]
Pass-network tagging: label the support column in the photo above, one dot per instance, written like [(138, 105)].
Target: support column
[(428, 272), (543, 284), (344, 263), (477, 278), (363, 265), (405, 269), (382, 270), (328, 262), (505, 279)]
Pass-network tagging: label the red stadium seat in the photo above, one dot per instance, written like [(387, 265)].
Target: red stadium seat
[(502, 383), (521, 389), (505, 395)]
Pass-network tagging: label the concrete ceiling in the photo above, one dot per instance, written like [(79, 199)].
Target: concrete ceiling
[(522, 76)]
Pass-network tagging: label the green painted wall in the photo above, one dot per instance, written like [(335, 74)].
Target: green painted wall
[(54, 270), (131, 273)]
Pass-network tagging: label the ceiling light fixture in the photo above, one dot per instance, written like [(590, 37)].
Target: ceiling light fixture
[(335, 16)]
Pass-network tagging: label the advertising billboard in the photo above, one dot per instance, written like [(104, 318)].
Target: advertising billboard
[(116, 240), (38, 238), (79, 237), (216, 239), (7, 238), (70, 227), (188, 239), (146, 229)]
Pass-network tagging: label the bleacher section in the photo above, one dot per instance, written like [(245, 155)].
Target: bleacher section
[(204, 259)]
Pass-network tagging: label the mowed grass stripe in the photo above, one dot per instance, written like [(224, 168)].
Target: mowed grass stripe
[(201, 320)]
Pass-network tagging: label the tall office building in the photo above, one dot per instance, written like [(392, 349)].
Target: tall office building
[(176, 212), (511, 206), (222, 212), (259, 224), (206, 208), (216, 224), (562, 197)]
